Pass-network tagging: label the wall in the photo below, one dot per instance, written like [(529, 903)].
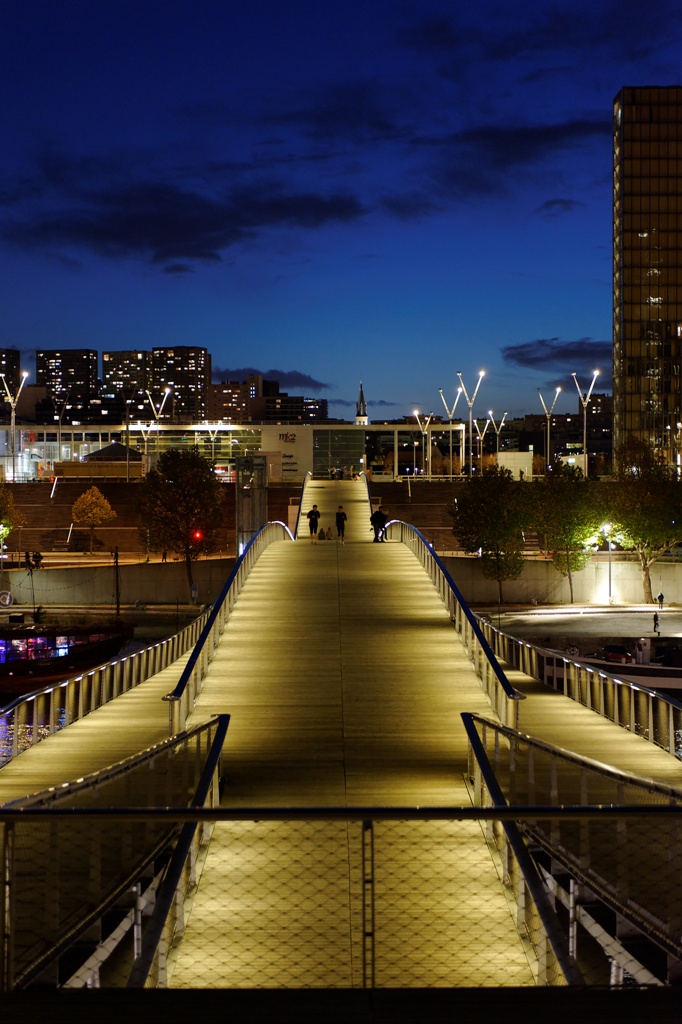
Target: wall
[(541, 582), (151, 583)]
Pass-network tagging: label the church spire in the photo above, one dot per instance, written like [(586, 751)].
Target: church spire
[(361, 419)]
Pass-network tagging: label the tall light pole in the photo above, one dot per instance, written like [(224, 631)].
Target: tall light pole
[(157, 412), (585, 399), (13, 418), (451, 414), (470, 403), (423, 426), (548, 414), (607, 534), (497, 428), (481, 435)]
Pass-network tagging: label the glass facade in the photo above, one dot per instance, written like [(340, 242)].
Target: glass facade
[(647, 268)]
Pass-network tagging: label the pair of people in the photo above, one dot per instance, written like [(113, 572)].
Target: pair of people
[(378, 519), (313, 518)]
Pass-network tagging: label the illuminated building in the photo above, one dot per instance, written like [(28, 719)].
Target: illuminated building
[(647, 268), (186, 370)]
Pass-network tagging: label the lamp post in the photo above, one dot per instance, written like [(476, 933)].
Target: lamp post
[(423, 426), (548, 414), (585, 399), (606, 528), (481, 435), (497, 430), (470, 403), (451, 413), (13, 419), (157, 412)]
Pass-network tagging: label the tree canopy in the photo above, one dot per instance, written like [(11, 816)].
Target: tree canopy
[(569, 512), (92, 509), (181, 506), (489, 516)]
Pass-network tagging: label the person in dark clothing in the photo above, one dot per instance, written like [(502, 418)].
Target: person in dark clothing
[(313, 518), (341, 518), (660, 600), (378, 519)]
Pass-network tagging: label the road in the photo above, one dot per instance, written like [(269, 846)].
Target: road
[(588, 621)]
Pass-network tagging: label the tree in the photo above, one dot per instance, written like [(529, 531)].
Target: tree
[(645, 506), (10, 516), (92, 509), (182, 506), (489, 516), (568, 511)]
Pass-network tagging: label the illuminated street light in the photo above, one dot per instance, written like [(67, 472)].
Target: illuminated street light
[(470, 403), (548, 414), (585, 399), (423, 426), (451, 414), (606, 530), (13, 406), (481, 435), (157, 412), (497, 429)]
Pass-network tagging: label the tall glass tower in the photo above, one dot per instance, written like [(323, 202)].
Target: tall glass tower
[(647, 268)]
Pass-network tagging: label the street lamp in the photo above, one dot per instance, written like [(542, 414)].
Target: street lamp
[(157, 412), (424, 427), (548, 414), (451, 413), (13, 419), (585, 399), (470, 403), (606, 530), (497, 429), (481, 435)]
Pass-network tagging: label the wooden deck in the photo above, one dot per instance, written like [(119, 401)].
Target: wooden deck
[(345, 682)]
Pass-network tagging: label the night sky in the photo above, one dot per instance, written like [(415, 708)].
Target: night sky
[(324, 192)]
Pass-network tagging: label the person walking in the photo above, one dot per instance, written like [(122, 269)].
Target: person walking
[(656, 629), (313, 518), (378, 519), (341, 518), (660, 600)]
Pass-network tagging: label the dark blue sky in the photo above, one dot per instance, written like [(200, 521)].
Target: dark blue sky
[(378, 190)]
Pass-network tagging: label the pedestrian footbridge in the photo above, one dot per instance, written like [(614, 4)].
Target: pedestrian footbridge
[(340, 778)]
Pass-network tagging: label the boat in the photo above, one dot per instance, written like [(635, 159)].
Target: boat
[(35, 656)]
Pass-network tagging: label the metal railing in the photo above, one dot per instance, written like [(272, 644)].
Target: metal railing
[(358, 897), (67, 862), (632, 867), (500, 692), (182, 698), (647, 713), (32, 718)]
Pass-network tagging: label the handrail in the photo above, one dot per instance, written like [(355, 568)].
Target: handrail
[(546, 912), (171, 880), (182, 697), (464, 621), (300, 503), (655, 716), (537, 772), (33, 717), (618, 775)]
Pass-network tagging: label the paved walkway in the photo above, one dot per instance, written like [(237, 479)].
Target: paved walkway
[(345, 682)]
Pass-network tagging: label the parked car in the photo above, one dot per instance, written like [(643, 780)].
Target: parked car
[(616, 652)]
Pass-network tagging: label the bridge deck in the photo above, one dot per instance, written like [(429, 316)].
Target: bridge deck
[(345, 681)]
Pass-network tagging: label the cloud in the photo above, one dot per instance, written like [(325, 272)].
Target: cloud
[(285, 378), (358, 111), (555, 356), (379, 403), (554, 208), (168, 223)]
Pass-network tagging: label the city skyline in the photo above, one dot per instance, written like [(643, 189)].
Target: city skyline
[(388, 192)]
